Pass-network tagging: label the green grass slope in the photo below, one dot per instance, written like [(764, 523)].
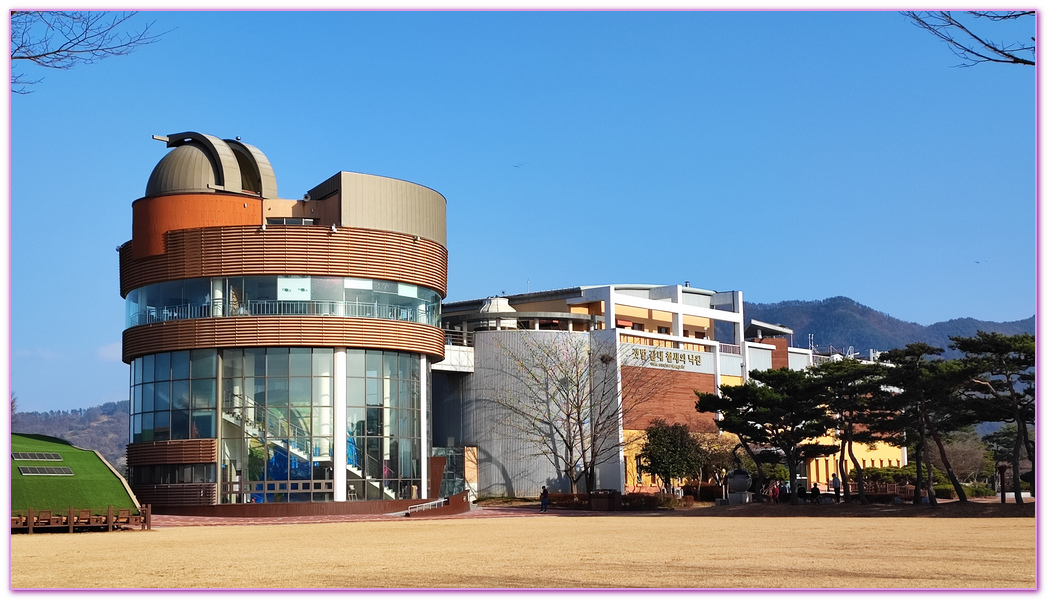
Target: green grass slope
[(93, 485)]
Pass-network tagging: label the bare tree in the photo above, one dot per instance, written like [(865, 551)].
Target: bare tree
[(66, 39), (974, 48), (562, 393)]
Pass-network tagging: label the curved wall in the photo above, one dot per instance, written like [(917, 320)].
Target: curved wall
[(282, 331), (373, 202), (153, 217), (287, 249)]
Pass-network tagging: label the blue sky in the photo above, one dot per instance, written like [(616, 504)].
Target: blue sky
[(791, 155)]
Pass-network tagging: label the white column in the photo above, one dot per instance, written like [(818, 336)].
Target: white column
[(716, 367), (739, 327), (423, 380), (216, 297), (608, 311), (338, 402)]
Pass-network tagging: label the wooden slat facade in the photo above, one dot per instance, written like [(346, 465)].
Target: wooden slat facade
[(173, 452), (285, 330), (288, 250)]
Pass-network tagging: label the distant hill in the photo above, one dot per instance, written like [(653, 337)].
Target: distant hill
[(103, 428), (841, 322)]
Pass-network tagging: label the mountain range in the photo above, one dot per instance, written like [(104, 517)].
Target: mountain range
[(840, 323)]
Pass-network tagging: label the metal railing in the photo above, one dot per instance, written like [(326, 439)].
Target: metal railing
[(730, 349), (427, 506), (458, 338), (323, 308)]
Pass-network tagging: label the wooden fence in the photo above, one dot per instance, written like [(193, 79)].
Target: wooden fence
[(81, 519)]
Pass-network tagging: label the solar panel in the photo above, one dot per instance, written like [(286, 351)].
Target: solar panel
[(36, 456), (45, 470)]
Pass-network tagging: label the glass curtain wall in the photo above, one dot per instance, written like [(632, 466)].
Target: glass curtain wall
[(281, 295), (383, 422), (277, 434), (272, 411), (173, 396)]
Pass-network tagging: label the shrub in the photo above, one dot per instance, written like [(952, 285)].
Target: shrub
[(979, 491), (688, 501), (709, 492), (650, 501), (944, 491), (640, 501), (569, 501)]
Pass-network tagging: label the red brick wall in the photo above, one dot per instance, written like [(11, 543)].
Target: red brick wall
[(780, 354), (670, 397)]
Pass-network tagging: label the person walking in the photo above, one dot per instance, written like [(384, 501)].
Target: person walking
[(836, 488), (544, 496)]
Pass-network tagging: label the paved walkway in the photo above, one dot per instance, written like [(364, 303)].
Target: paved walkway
[(166, 521)]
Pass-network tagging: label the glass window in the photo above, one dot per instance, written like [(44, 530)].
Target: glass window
[(147, 427), (373, 363), (276, 391), (300, 422), (300, 391), (147, 397), (373, 397), (354, 392), (390, 364), (254, 362), (161, 395), (161, 426), (300, 362), (322, 424), (323, 361), (179, 425), (203, 363), (374, 421), (180, 364), (321, 391), (233, 362), (354, 359), (277, 362), (162, 369), (196, 294), (147, 368), (405, 365), (328, 288), (180, 394), (203, 424), (136, 400), (203, 393), (354, 416)]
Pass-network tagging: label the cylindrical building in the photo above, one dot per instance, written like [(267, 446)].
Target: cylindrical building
[(279, 349)]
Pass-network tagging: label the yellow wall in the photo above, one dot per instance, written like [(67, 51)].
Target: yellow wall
[(820, 470), (730, 380)]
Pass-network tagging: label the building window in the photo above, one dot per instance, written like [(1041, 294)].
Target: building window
[(663, 330), (383, 424), (174, 396), (289, 221), (637, 327), (281, 295)]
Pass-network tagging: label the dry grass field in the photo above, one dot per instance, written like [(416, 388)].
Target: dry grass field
[(707, 548)]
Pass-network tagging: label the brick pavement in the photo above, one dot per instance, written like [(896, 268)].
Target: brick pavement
[(167, 521)]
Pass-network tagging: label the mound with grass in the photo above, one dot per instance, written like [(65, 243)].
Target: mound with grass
[(93, 483)]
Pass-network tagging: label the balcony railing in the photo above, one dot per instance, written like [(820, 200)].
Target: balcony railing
[(458, 338), (321, 308)]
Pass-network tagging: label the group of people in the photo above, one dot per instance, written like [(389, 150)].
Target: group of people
[(778, 491)]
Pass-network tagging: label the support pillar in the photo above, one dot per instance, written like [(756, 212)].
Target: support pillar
[(338, 402)]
